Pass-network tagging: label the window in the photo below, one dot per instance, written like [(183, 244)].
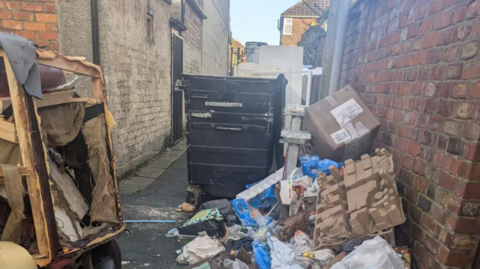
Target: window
[(287, 26), (150, 16)]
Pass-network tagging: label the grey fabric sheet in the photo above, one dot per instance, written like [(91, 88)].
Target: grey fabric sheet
[(23, 59)]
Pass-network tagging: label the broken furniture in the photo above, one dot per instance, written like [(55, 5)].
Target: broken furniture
[(360, 203), (63, 192)]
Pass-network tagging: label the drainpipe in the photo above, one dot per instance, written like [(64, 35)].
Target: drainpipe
[(95, 32), (328, 51), (342, 21)]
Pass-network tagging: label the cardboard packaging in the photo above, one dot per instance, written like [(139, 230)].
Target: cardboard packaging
[(364, 204), (341, 125)]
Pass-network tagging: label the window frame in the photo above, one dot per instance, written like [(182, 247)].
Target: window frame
[(285, 24)]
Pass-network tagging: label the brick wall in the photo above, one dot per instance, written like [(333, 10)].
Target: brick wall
[(138, 77), (416, 65), (34, 20), (215, 38), (300, 25), (192, 50)]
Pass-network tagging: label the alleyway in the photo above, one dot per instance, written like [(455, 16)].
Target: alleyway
[(146, 246)]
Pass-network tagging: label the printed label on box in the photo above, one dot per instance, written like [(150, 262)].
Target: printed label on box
[(341, 136), (346, 111)]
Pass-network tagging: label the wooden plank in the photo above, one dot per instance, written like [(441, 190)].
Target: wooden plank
[(36, 191), (76, 67), (62, 97), (7, 131), (98, 92), (55, 98)]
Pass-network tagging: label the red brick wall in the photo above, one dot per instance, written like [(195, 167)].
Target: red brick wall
[(300, 25), (35, 20), (416, 64)]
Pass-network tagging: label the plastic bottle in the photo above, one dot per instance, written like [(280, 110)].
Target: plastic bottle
[(261, 220)]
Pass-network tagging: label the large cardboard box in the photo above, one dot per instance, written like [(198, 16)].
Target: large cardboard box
[(341, 125)]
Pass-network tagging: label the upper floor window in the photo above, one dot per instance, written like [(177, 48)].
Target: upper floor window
[(287, 26)]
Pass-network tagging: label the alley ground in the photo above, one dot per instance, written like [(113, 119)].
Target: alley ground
[(153, 193)]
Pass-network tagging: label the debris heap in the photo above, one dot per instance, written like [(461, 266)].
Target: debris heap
[(361, 202)]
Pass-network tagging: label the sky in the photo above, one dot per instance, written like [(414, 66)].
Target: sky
[(256, 20)]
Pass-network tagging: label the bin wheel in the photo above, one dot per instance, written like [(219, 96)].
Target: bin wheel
[(190, 198), (196, 197), (107, 256), (193, 195)]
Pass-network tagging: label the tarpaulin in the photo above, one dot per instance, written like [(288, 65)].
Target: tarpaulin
[(22, 56)]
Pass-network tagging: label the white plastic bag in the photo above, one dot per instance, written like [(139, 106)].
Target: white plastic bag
[(200, 248), (283, 257), (237, 264), (372, 254)]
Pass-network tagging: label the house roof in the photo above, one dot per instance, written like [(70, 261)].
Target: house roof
[(307, 8)]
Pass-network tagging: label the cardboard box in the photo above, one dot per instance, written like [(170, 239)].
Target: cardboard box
[(341, 125)]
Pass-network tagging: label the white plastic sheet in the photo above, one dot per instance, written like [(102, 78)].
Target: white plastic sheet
[(237, 264), (372, 254), (200, 248), (283, 257)]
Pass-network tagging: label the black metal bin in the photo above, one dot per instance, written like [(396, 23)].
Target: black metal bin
[(231, 128)]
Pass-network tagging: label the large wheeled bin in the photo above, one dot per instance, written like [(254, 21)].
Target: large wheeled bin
[(232, 126)]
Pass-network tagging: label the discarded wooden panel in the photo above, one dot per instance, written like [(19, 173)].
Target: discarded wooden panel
[(44, 234)]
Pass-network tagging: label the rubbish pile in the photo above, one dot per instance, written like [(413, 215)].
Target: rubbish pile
[(336, 212)]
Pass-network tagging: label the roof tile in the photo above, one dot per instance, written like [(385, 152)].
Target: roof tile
[(307, 8)]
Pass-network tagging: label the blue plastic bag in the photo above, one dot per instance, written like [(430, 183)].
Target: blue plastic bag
[(313, 165), (266, 199), (241, 209), (249, 215), (261, 250)]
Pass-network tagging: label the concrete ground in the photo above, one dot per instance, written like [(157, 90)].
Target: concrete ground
[(153, 193)]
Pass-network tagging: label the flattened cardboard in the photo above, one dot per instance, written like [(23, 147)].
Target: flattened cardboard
[(352, 125)]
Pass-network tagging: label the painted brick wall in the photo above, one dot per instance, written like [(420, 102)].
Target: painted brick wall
[(34, 20), (192, 50), (416, 65), (138, 77), (215, 37), (300, 25)]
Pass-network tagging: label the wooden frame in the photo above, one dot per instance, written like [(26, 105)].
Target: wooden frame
[(26, 132)]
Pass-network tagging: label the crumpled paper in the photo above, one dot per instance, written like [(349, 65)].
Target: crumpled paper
[(185, 207)]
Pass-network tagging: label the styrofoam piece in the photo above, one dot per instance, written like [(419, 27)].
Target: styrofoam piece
[(290, 63), (262, 186)]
